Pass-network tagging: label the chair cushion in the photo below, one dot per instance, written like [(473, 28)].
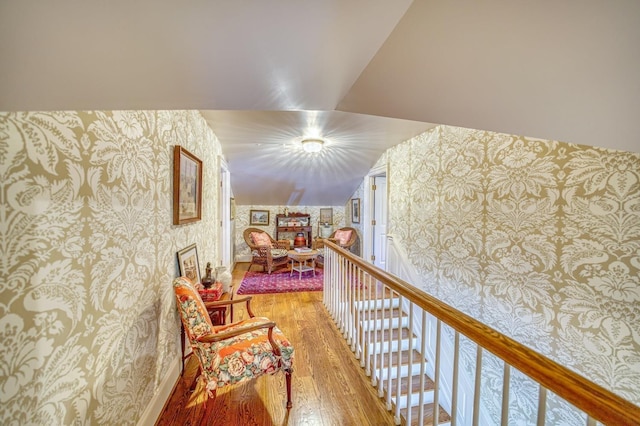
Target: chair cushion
[(275, 253), (193, 312), (261, 239), (343, 236), (243, 357)]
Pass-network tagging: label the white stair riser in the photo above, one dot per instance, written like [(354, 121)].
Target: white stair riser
[(415, 399), (384, 347), (404, 371), (371, 305), (385, 324)]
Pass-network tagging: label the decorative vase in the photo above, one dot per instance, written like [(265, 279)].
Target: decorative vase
[(207, 281), (299, 240), (224, 277), (325, 230)]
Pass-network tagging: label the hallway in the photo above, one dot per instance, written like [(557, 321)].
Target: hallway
[(329, 386)]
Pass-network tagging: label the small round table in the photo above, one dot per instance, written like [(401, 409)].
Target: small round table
[(302, 258)]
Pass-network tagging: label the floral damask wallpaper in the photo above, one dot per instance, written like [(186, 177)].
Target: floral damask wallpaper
[(87, 254), (539, 239)]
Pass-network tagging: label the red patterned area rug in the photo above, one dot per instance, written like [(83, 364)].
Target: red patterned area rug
[(279, 281)]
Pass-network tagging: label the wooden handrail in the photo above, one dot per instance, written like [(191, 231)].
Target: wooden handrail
[(598, 402)]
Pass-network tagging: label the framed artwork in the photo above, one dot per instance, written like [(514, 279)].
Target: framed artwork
[(355, 210), (187, 186), (259, 217), (188, 262), (326, 216)]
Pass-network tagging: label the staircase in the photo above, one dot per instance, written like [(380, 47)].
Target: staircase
[(376, 311), (393, 359)]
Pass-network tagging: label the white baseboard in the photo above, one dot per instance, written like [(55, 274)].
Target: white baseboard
[(155, 406), (243, 258)]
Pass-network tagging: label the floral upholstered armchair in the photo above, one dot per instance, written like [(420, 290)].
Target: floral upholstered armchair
[(235, 352), (265, 250)]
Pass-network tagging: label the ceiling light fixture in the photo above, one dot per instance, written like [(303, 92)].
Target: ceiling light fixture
[(312, 145)]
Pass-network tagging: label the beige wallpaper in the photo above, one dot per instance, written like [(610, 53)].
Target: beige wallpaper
[(539, 239), (87, 253)]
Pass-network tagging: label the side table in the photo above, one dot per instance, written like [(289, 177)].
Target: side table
[(302, 258), (218, 314)]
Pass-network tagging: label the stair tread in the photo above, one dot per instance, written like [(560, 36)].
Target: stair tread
[(443, 416), (404, 357), (377, 314), (415, 384), (380, 334), (370, 312)]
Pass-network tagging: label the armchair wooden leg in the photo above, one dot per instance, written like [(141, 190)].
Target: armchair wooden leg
[(208, 409), (287, 375), (196, 379)]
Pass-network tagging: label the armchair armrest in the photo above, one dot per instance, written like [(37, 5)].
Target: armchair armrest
[(318, 244), (246, 299), (223, 335), (282, 244)]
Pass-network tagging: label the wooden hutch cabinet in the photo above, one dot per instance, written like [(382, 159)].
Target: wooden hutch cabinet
[(292, 224)]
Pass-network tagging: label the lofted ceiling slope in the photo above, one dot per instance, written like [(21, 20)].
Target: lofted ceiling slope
[(365, 74), (566, 71)]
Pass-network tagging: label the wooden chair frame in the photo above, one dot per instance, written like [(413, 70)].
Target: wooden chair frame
[(352, 240)]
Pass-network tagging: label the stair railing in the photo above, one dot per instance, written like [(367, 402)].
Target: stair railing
[(373, 308)]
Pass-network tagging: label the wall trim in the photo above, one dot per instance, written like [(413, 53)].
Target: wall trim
[(367, 209), (156, 405)]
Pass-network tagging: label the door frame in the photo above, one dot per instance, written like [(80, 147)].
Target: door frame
[(225, 215), (368, 209)]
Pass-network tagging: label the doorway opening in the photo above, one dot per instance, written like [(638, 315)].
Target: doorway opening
[(375, 218)]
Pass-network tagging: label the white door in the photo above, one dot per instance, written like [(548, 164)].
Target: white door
[(379, 222), (226, 239)]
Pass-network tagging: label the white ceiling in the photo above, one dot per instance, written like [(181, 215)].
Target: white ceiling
[(264, 73), (263, 149)]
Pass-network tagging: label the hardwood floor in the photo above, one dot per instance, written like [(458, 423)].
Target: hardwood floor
[(329, 386)]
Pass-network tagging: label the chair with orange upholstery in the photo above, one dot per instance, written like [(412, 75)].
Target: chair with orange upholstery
[(236, 352), (265, 250)]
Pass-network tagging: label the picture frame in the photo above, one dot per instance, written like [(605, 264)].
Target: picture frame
[(189, 263), (326, 216), (355, 210), (187, 187), (259, 217)]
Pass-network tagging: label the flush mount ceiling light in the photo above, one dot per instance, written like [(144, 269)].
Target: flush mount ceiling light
[(312, 145)]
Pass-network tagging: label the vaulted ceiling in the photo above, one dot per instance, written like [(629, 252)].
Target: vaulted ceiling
[(364, 74)]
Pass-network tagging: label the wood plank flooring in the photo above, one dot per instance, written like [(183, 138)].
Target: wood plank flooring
[(329, 386)]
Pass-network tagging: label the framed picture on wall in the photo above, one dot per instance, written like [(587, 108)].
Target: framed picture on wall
[(259, 217), (188, 263), (355, 210), (187, 187), (326, 216)]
